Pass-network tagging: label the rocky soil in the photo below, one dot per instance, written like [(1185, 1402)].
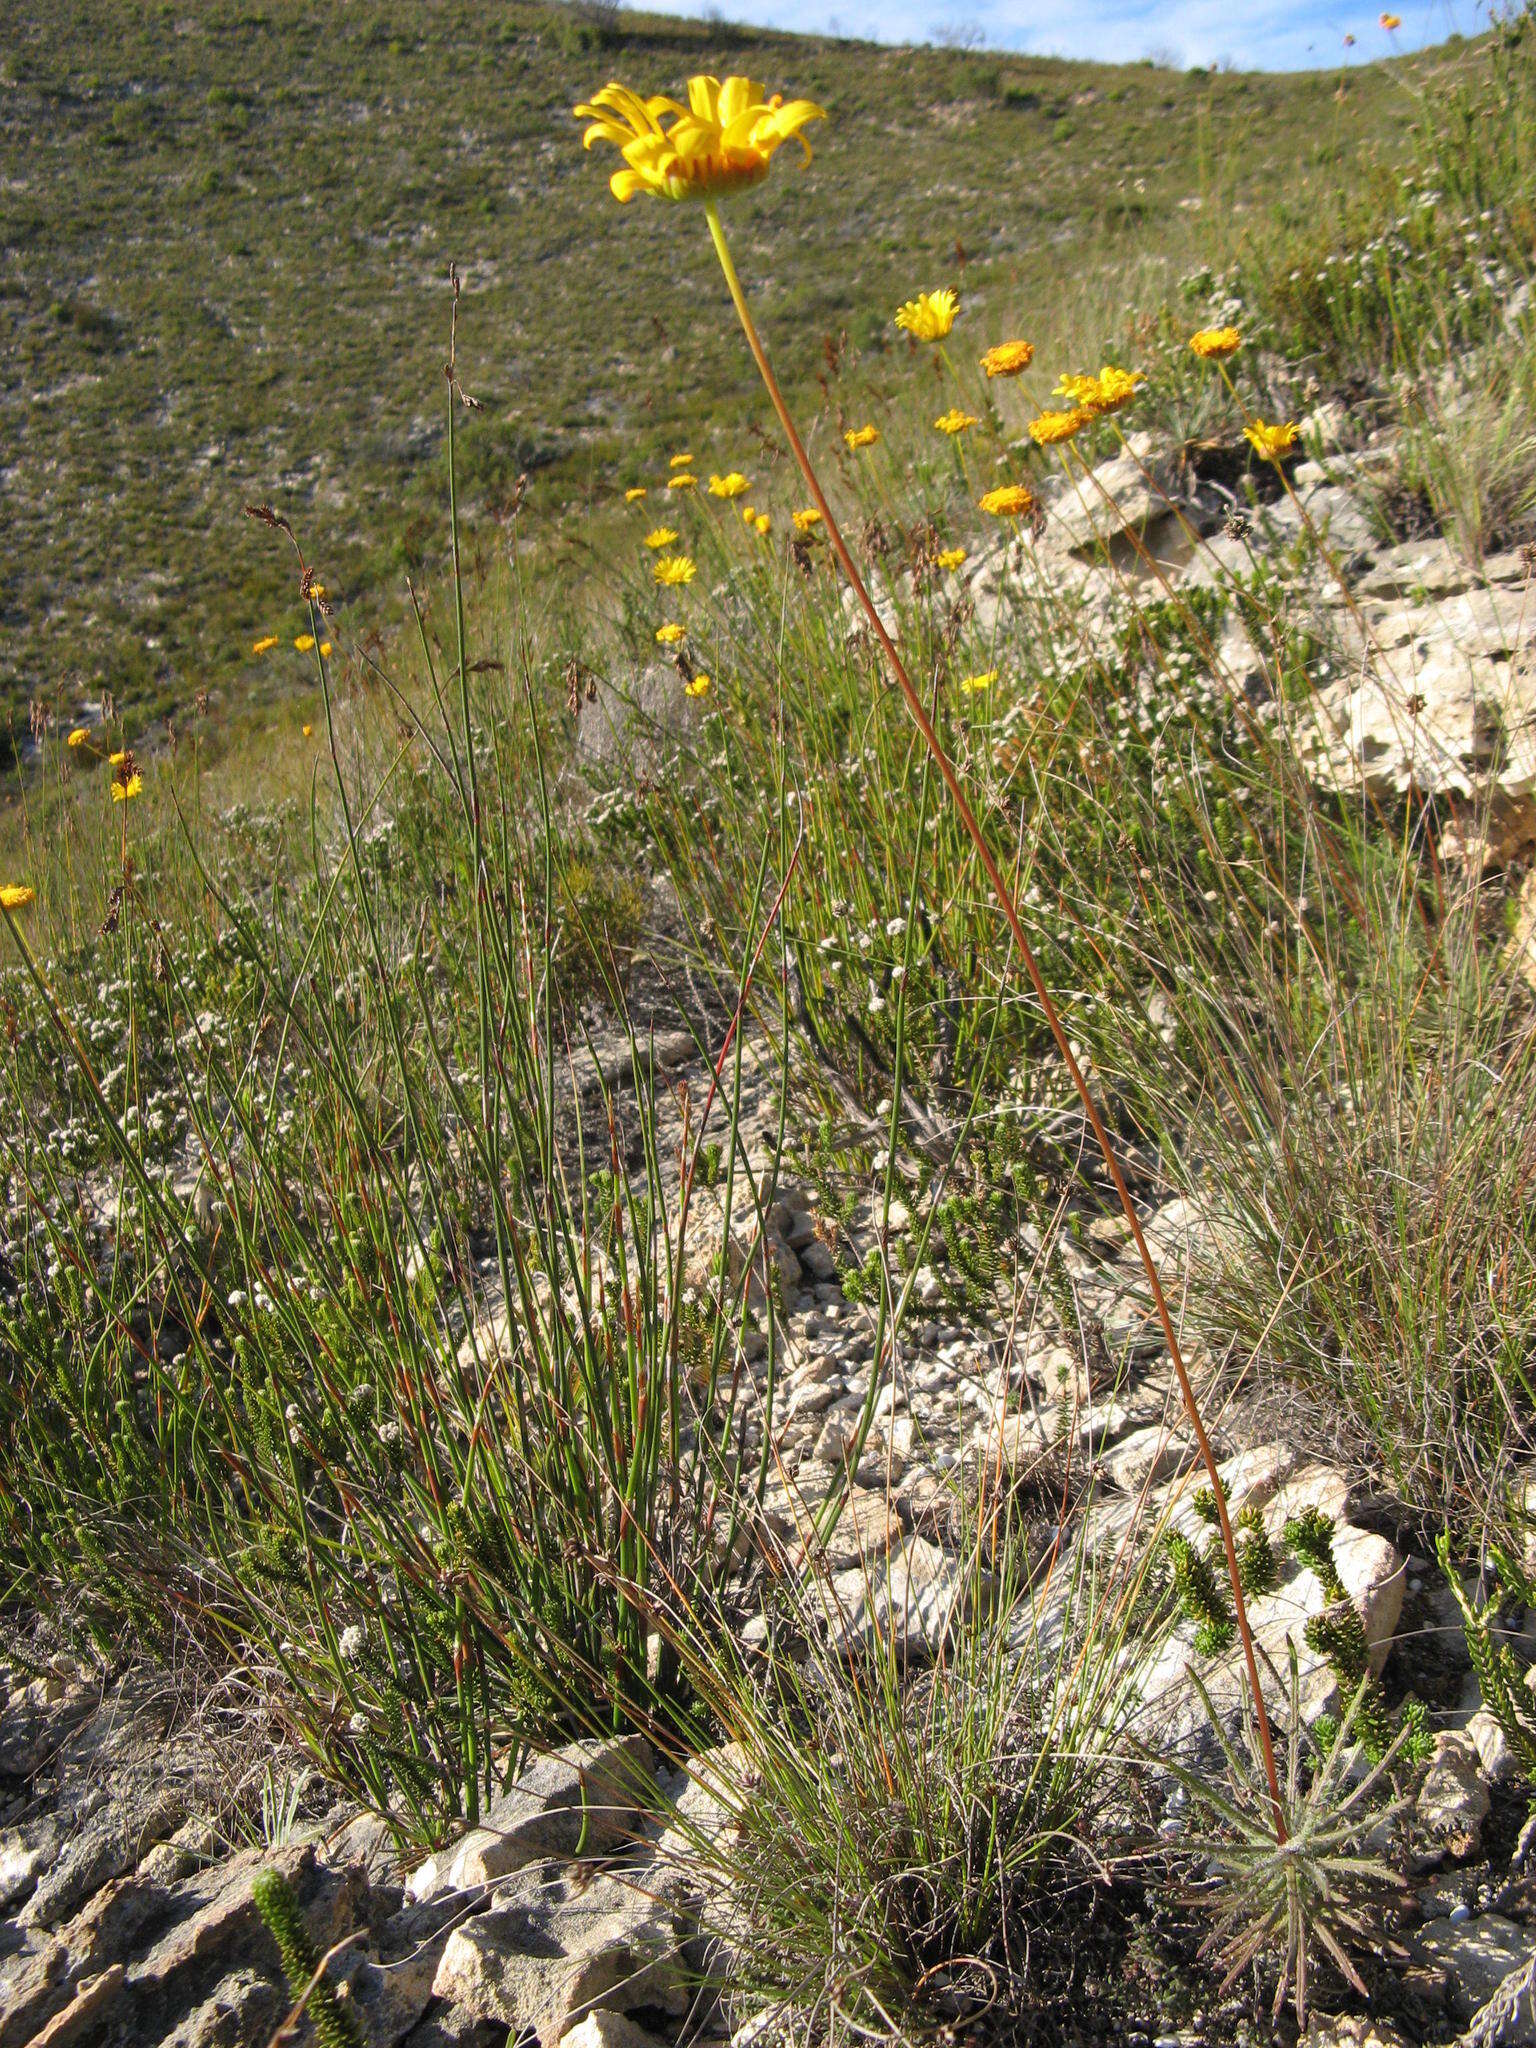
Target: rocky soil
[(571, 1913)]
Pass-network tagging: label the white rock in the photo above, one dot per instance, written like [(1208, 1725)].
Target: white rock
[(1453, 1801)]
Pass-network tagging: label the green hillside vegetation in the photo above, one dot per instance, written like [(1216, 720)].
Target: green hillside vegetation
[(227, 231)]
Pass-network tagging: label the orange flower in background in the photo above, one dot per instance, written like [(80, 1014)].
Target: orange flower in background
[(1008, 501), (1008, 358), (1215, 344), (1049, 429)]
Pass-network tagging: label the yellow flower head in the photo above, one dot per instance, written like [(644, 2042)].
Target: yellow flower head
[(862, 437), (1271, 441), (1050, 428), (950, 558), (1008, 358), (1009, 501), (724, 137), (1117, 387), (680, 462), (308, 731), (634, 494), (16, 896), (124, 791), (79, 736), (1389, 21), (1107, 392), (971, 684), (661, 537), (1080, 390), (671, 570), (305, 644), (120, 759), (929, 316), (804, 521), (325, 649), (954, 421), (671, 634), (265, 644), (683, 481), (762, 523), (1214, 344), (699, 687), (731, 485)]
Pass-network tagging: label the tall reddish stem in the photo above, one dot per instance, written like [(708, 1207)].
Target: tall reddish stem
[(1004, 896)]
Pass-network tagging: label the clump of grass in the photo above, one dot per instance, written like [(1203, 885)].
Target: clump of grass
[(951, 1821)]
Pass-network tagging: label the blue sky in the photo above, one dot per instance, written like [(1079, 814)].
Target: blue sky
[(1254, 34)]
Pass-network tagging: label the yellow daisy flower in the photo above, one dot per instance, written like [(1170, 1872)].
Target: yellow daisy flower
[(265, 644), (1214, 344), (762, 522), (1272, 441), (1107, 392), (119, 759), (731, 485), (1050, 428), (929, 316), (699, 687), (672, 570), (861, 437), (124, 792), (683, 481), (308, 731), (16, 896), (661, 537), (1008, 358), (634, 494), (305, 644), (325, 649), (79, 736), (950, 558), (671, 634), (724, 137), (679, 462), (1009, 501), (806, 520), (954, 421), (1117, 387), (971, 684)]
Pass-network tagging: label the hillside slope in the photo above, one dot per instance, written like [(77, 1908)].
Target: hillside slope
[(227, 233)]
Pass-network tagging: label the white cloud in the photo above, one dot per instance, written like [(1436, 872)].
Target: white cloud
[(1260, 35)]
